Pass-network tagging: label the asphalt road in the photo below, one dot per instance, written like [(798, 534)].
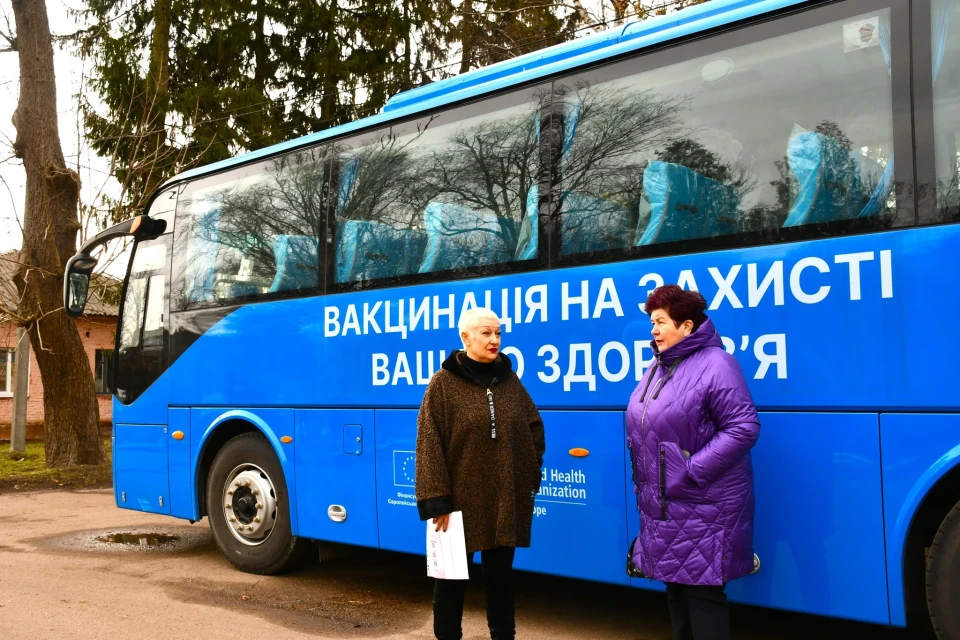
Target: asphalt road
[(57, 580)]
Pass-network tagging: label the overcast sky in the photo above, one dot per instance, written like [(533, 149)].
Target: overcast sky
[(69, 70)]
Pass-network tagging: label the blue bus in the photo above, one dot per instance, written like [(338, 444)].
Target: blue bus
[(795, 161)]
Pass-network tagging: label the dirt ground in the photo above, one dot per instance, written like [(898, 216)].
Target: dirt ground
[(58, 580)]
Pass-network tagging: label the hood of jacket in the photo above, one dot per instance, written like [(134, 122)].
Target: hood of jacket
[(501, 367), (705, 336)]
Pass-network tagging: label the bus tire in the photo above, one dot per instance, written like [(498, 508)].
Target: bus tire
[(943, 577), (248, 507)]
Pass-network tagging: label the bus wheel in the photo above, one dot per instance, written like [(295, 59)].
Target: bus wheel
[(248, 507), (943, 577)]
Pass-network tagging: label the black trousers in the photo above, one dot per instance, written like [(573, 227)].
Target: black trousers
[(698, 612), (497, 565)]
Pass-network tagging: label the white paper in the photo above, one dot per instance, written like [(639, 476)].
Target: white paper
[(861, 34), (447, 550)]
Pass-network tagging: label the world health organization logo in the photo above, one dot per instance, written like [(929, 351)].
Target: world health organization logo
[(404, 468)]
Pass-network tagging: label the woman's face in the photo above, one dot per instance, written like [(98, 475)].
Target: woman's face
[(482, 343), (665, 332)]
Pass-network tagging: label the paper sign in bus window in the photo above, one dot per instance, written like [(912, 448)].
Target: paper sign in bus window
[(861, 34)]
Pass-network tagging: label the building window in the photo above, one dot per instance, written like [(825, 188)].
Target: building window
[(6, 372), (8, 369), (103, 370)]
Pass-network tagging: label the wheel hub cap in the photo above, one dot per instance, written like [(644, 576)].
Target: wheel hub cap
[(249, 504)]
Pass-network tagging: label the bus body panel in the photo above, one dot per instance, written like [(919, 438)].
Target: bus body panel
[(183, 491), (819, 517), (918, 450), (397, 517), (140, 467), (335, 468), (579, 525)]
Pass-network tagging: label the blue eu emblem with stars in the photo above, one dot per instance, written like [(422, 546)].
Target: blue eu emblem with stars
[(404, 468)]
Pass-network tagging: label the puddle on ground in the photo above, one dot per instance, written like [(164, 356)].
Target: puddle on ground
[(140, 539)]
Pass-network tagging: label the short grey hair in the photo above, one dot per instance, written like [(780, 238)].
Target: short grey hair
[(471, 318)]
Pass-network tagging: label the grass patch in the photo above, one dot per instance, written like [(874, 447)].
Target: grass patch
[(27, 471)]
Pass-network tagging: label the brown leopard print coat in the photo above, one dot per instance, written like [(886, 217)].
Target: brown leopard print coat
[(460, 467)]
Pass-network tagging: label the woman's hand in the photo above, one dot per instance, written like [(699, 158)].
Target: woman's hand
[(442, 522)]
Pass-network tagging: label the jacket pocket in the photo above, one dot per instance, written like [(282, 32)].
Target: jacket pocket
[(636, 462), (676, 482)]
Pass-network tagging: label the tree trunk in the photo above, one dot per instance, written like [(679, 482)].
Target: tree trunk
[(466, 35), (329, 101), (260, 48), (71, 415), (157, 97), (407, 27)]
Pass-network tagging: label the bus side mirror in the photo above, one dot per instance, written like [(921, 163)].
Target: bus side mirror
[(76, 284), (79, 285)]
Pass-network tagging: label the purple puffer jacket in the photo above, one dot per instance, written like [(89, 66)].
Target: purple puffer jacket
[(696, 515)]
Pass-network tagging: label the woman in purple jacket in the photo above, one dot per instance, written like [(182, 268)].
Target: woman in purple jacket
[(691, 424)]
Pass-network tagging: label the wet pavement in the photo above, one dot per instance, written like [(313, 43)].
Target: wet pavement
[(74, 566)]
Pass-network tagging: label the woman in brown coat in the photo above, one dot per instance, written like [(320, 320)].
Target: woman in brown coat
[(480, 447)]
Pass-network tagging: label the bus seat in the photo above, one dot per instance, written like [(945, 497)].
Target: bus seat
[(348, 175), (459, 237), (685, 205), (529, 238), (240, 289), (571, 119), (594, 224), (369, 250), (202, 256), (878, 198), (297, 263), (829, 180)]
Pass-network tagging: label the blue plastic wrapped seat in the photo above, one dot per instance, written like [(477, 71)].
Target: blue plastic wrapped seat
[(685, 205), (529, 239), (878, 199), (459, 237), (297, 263), (829, 180), (240, 289), (372, 250), (594, 224)]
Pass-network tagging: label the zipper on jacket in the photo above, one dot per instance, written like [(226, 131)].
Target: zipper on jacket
[(643, 418), (493, 416), (663, 485)]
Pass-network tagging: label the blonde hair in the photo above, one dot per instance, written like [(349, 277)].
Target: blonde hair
[(471, 318)]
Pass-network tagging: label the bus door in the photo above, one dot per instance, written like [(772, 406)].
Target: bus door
[(141, 477)]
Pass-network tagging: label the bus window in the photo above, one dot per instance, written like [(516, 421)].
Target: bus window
[(140, 359), (788, 131), (946, 106), (251, 232), (451, 191)]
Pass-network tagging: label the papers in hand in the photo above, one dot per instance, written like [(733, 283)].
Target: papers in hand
[(447, 550)]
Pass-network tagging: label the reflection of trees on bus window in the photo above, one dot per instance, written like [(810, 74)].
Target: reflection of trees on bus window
[(255, 230), (434, 196), (142, 327), (792, 131)]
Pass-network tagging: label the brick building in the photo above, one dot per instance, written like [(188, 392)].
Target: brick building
[(97, 331)]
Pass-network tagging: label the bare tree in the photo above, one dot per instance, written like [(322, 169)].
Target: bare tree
[(71, 414)]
